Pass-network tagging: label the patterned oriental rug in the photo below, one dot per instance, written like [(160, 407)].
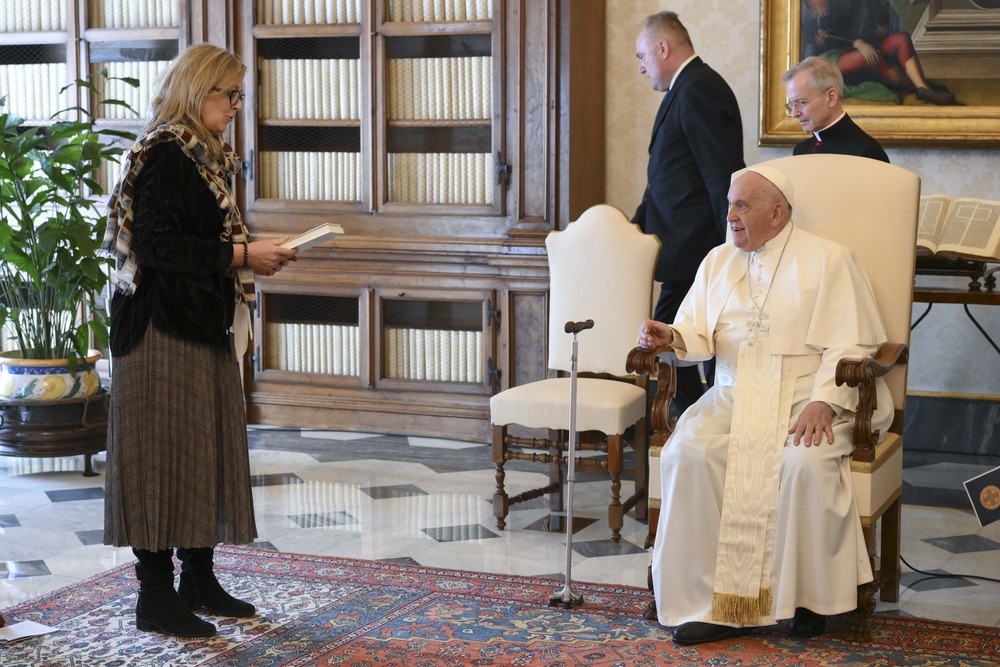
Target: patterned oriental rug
[(317, 611)]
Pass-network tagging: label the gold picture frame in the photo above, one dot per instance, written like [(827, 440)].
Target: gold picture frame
[(912, 125)]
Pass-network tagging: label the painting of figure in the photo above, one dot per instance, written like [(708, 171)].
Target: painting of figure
[(877, 58), (917, 72)]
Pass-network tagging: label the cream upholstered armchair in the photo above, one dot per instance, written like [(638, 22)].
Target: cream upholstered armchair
[(870, 207), (601, 269)]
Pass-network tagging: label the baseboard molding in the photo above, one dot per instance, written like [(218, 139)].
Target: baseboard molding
[(962, 425)]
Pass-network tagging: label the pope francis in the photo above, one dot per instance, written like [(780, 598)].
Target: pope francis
[(758, 521)]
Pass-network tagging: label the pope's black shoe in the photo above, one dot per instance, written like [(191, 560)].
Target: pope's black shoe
[(697, 632), (808, 623)]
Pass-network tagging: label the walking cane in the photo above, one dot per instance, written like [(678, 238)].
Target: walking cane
[(566, 597)]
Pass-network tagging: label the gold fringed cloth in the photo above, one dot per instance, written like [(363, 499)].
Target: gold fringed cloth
[(761, 406)]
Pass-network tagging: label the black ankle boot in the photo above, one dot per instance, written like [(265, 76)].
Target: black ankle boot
[(159, 608), (200, 588)]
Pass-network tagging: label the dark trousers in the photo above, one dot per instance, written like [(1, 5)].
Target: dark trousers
[(689, 384)]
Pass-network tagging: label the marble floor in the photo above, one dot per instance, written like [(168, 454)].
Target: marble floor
[(428, 501)]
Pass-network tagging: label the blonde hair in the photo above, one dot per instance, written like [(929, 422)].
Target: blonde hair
[(184, 86)]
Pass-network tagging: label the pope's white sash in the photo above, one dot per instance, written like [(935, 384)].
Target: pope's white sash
[(761, 406)]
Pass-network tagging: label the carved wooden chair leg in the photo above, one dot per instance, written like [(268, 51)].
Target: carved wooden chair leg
[(557, 473), (890, 568), (861, 630), (616, 512), (501, 501), (640, 448), (649, 613)]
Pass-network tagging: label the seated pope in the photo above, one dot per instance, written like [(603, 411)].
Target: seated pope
[(758, 521)]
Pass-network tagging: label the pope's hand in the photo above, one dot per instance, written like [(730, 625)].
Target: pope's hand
[(653, 334), (814, 421)]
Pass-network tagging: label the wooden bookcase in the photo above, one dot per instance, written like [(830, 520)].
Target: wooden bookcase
[(448, 138), (50, 43)]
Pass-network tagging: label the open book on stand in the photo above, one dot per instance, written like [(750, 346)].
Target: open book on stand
[(314, 236), (966, 228)]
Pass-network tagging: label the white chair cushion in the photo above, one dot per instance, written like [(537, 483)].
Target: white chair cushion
[(879, 482), (608, 406)]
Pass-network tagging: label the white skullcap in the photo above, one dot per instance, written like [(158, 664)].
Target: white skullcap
[(776, 177)]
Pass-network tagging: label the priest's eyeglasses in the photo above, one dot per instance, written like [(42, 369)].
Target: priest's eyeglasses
[(798, 105), (801, 103)]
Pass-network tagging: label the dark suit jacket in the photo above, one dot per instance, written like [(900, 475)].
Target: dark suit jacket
[(696, 146), (846, 138)]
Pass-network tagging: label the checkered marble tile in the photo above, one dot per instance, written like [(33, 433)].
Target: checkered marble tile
[(428, 501)]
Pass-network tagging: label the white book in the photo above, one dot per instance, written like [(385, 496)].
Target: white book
[(314, 236), (23, 630)]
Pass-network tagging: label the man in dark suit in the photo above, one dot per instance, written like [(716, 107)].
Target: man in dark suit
[(697, 144), (814, 89)]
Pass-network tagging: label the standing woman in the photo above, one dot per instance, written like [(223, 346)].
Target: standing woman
[(178, 467)]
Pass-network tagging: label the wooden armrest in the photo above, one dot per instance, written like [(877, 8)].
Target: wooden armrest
[(646, 362), (852, 371), (861, 374)]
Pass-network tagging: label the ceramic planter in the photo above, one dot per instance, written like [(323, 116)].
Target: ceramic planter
[(46, 379)]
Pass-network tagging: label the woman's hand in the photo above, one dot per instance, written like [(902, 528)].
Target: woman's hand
[(267, 257)]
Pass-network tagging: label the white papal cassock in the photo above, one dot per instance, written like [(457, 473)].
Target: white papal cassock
[(818, 308)]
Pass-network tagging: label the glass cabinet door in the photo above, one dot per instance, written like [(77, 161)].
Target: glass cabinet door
[(127, 40), (440, 146), (34, 60), (310, 334), (308, 101), (384, 106), (430, 338)]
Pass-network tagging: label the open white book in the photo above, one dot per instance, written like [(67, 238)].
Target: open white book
[(968, 228), (314, 236)]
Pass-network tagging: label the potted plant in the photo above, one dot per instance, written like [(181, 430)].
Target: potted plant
[(51, 276), (51, 226)]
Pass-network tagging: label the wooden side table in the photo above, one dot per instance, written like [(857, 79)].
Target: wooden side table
[(981, 291)]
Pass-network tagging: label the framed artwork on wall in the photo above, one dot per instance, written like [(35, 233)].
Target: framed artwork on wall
[(918, 73)]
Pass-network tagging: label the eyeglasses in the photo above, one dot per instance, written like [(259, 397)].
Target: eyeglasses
[(235, 96), (801, 104), (798, 105)]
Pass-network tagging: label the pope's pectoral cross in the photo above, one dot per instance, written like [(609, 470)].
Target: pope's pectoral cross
[(756, 325)]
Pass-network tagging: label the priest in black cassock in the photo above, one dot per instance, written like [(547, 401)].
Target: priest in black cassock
[(814, 89)]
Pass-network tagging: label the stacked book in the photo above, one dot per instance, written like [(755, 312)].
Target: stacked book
[(309, 175), (440, 88), (310, 89), (308, 12), (433, 354), (330, 349), (32, 89), (441, 178), (137, 98), (440, 10), (32, 15), (132, 14)]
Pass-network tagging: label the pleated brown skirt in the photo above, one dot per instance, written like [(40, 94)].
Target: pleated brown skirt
[(178, 467)]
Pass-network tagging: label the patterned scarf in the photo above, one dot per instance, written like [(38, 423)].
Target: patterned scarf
[(118, 236)]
